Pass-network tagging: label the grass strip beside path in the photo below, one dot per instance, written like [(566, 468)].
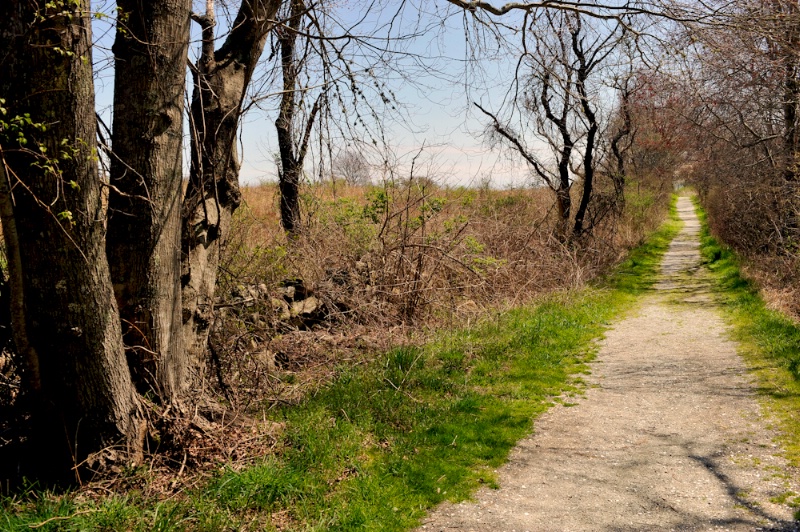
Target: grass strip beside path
[(382, 443)]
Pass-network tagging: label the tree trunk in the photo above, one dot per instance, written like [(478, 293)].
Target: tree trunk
[(289, 187), (291, 163), (143, 241), (623, 131), (584, 67), (788, 38), (220, 84), (588, 183), (563, 186), (65, 317), (791, 100), (563, 204)]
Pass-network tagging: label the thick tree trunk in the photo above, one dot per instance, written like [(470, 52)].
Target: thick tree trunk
[(144, 226), (53, 225), (221, 80)]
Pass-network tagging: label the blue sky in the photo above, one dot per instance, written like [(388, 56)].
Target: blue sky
[(434, 94)]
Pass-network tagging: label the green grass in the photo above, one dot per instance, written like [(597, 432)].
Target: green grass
[(770, 342), (640, 269), (383, 443)]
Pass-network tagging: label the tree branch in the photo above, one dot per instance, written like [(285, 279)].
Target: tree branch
[(502, 131)]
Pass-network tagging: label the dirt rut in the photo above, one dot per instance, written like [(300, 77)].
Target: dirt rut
[(669, 435)]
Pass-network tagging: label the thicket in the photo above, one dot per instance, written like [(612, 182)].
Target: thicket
[(382, 264), (734, 104), (754, 211)]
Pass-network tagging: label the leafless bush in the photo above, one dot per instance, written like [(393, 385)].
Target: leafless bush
[(753, 213), (374, 262)]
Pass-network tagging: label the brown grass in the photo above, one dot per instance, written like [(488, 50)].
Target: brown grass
[(388, 266), (778, 278), (386, 263)]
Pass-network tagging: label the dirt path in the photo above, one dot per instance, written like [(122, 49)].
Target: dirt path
[(669, 437)]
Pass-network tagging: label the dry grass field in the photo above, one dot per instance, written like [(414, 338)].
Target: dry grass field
[(376, 266)]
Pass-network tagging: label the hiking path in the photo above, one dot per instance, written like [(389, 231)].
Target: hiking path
[(669, 434)]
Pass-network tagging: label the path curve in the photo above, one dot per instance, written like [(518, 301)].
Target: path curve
[(669, 436)]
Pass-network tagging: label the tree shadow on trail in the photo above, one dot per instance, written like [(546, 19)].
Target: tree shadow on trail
[(736, 494)]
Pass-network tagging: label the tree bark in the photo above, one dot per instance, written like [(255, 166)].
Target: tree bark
[(143, 241), (564, 185), (221, 78), (791, 96), (291, 164), (52, 212), (623, 131), (591, 134), (289, 187)]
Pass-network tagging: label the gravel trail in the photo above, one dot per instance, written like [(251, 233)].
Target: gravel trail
[(668, 436)]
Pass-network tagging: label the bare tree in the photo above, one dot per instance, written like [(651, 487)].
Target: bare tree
[(331, 87), (352, 167), (560, 102), (315, 70), (743, 77), (292, 152), (623, 134)]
